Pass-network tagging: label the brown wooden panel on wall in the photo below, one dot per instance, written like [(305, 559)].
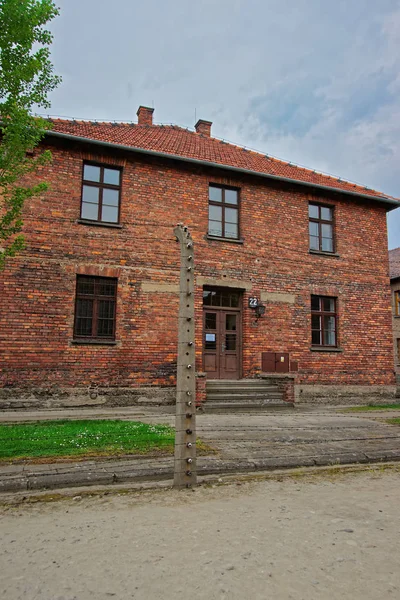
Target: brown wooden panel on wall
[(268, 362), (275, 362), (282, 362)]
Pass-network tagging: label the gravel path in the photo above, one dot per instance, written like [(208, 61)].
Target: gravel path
[(327, 538)]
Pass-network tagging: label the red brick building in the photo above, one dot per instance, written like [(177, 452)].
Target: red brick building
[(89, 309)]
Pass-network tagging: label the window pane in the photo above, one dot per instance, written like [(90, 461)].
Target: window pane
[(313, 228), (316, 338), (329, 323), (231, 196), (314, 302), (326, 231), (225, 299), (211, 321), (211, 344), (84, 313), (90, 211), (314, 243), (206, 298), (215, 194), (111, 176), (215, 212), (230, 341), (109, 214), (329, 331), (105, 287), (85, 285), (90, 194), (91, 173), (234, 300), (110, 197), (216, 298), (231, 215), (215, 228), (327, 245), (84, 308), (105, 328), (230, 324), (231, 230), (106, 309), (326, 213), (83, 326), (313, 211), (315, 322), (328, 305)]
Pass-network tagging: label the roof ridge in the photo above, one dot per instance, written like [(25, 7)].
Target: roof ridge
[(219, 140), (208, 148)]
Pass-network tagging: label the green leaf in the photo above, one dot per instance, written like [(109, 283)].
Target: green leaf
[(26, 80)]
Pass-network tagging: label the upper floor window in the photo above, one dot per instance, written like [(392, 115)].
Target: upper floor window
[(223, 212), (321, 228), (397, 303), (101, 192), (323, 321), (95, 308)]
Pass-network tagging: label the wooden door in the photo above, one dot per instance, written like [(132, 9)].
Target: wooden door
[(222, 342)]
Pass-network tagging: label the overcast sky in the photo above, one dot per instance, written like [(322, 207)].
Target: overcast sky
[(311, 81)]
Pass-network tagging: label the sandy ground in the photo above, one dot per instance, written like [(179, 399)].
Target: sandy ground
[(333, 537)]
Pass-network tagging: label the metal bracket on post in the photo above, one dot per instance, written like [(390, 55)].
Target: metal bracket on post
[(185, 474)]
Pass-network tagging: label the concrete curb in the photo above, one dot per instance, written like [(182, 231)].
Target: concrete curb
[(15, 478)]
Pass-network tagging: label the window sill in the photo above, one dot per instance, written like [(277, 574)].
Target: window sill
[(94, 342), (325, 349), (99, 224), (223, 239), (320, 253)]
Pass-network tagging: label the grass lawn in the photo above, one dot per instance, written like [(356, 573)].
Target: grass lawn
[(394, 421), (373, 407), (83, 438)]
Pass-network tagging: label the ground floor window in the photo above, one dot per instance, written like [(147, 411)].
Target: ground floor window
[(323, 321), (95, 308)]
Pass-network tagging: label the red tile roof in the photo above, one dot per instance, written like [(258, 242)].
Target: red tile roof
[(171, 139), (394, 263)]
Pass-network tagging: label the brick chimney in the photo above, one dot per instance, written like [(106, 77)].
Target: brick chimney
[(145, 115), (203, 127)]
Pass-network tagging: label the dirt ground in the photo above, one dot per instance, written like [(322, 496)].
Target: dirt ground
[(330, 537)]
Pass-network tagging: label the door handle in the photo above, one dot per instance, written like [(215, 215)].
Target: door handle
[(222, 347)]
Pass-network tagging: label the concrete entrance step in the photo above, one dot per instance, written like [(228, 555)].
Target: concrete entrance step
[(243, 394), (222, 407), (236, 389), (216, 383), (245, 397)]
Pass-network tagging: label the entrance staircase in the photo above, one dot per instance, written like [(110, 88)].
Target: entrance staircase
[(243, 394)]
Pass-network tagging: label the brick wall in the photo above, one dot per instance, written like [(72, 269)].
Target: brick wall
[(38, 287), (396, 329)]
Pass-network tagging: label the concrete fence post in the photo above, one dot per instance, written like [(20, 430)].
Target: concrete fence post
[(185, 474)]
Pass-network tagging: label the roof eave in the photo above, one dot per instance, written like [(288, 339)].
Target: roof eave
[(390, 202)]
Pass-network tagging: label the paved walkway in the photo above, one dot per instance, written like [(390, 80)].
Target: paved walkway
[(304, 436)]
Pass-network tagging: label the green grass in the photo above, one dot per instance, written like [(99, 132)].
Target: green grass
[(394, 421), (373, 407), (83, 438)]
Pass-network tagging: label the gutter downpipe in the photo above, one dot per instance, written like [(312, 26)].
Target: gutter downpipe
[(67, 136)]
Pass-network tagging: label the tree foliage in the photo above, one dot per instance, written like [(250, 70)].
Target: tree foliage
[(26, 79)]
